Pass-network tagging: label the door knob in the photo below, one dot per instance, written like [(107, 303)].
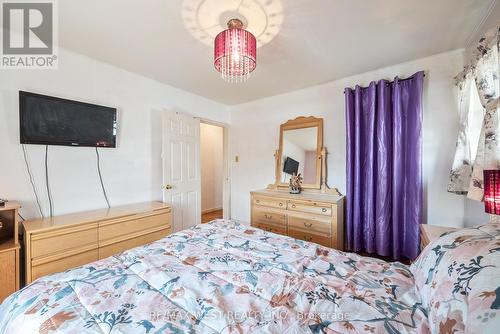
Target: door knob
[(168, 186)]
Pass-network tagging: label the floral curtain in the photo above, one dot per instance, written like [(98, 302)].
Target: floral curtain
[(481, 76)]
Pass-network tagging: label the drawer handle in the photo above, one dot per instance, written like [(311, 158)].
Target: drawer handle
[(293, 206), (306, 238), (308, 224), (281, 204), (257, 201), (324, 210), (268, 216)]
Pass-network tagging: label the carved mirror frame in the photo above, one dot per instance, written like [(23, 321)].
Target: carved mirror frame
[(321, 153), (296, 124)]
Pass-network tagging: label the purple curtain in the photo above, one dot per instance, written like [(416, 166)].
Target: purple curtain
[(384, 167)]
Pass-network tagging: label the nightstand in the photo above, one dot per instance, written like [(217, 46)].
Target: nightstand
[(429, 233), (9, 250)]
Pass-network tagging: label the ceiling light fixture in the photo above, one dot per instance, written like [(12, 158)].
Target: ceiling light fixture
[(235, 52)]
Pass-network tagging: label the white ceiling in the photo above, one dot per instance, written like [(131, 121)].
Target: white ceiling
[(309, 42)]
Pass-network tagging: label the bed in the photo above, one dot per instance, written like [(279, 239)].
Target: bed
[(226, 277)]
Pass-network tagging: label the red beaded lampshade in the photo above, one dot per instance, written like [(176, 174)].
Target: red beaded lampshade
[(235, 52), (492, 191)]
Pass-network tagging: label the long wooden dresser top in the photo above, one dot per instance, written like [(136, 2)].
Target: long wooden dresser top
[(75, 219), (309, 196), (59, 243)]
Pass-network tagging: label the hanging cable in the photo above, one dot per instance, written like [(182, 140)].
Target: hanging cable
[(51, 211), (20, 216), (100, 177), (35, 192)]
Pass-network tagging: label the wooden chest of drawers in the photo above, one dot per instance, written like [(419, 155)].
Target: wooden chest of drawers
[(429, 233), (9, 249), (59, 243), (311, 217)]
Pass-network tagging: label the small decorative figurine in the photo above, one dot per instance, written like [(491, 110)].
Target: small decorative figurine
[(296, 184)]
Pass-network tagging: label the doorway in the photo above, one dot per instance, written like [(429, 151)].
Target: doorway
[(188, 163), (181, 168), (212, 171)]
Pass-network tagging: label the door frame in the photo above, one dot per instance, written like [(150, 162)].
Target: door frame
[(226, 171)]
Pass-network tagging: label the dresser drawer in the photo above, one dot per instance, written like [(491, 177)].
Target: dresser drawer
[(317, 224), (123, 227), (271, 228), (121, 246), (55, 242), (63, 263), (310, 207), (311, 237), (260, 215), (270, 202)]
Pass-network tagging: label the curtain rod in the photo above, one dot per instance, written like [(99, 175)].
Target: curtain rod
[(389, 82)]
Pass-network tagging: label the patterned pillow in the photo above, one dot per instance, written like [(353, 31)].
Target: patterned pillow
[(458, 280)]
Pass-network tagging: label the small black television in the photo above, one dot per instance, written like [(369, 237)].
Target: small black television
[(290, 166), (48, 120)]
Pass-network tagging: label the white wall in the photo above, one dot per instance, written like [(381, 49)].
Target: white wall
[(132, 172), (255, 133), (211, 157)]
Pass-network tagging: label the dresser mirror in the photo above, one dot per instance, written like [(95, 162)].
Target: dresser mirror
[(315, 214), (301, 151), (301, 141)]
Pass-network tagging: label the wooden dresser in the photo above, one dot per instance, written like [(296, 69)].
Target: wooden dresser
[(59, 243), (308, 216), (9, 249), (429, 233)]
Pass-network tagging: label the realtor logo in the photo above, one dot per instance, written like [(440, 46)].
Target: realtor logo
[(28, 35)]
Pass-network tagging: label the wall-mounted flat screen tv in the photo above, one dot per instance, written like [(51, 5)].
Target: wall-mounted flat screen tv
[(49, 120), (291, 166)]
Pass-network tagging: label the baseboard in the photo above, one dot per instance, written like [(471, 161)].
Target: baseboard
[(211, 210)]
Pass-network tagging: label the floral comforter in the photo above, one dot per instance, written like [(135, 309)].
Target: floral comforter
[(222, 277), (458, 280)]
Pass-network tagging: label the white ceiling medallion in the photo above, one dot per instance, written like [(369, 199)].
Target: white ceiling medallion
[(204, 19)]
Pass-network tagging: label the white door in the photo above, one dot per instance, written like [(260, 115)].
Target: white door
[(181, 168)]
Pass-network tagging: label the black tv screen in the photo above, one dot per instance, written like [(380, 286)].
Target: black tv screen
[(291, 166), (48, 120)]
